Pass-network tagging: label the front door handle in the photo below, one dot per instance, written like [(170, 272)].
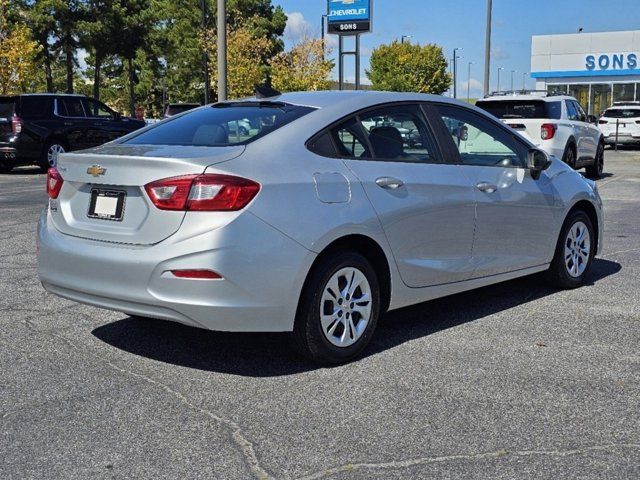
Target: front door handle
[(389, 183), (486, 187)]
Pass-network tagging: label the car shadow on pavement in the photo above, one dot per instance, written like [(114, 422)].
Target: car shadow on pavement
[(269, 354)]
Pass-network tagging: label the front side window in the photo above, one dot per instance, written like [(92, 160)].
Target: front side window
[(221, 125), (582, 117), (480, 141), (572, 113), (97, 109)]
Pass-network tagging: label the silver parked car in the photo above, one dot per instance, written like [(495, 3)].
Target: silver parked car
[(316, 222)]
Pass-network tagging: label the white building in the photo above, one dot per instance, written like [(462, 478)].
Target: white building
[(596, 68)]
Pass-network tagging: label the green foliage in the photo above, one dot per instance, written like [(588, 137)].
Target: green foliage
[(407, 67)]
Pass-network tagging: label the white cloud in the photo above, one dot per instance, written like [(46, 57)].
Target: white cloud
[(297, 27), (498, 54), (475, 90)]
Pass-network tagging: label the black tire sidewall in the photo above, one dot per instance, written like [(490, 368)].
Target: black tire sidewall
[(558, 270), (565, 157), (310, 339)]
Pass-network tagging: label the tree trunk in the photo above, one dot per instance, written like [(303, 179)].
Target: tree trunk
[(47, 71), (132, 94), (96, 76), (69, 54)]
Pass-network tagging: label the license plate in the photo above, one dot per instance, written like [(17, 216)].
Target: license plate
[(107, 204)]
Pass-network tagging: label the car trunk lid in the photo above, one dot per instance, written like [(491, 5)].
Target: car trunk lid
[(119, 171)]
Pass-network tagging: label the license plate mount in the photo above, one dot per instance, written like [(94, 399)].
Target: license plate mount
[(106, 204)]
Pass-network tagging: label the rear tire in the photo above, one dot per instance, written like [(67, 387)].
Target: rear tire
[(574, 253), (569, 156), (4, 168), (595, 171), (338, 310)]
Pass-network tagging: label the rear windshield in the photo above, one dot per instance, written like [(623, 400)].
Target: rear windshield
[(620, 113), (7, 108), (222, 124), (521, 108), (175, 109)]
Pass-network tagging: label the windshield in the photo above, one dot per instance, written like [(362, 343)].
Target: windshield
[(175, 109), (521, 108), (221, 125), (622, 113)]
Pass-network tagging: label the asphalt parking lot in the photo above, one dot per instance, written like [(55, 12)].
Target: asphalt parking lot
[(511, 381)]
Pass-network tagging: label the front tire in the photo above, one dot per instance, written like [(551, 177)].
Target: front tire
[(595, 171), (574, 253), (338, 310)]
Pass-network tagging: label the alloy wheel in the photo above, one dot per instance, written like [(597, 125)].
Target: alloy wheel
[(577, 249), (52, 154), (345, 308)]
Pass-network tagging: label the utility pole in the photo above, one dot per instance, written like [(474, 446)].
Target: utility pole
[(487, 49), (455, 71), (499, 70), (469, 81), (322, 33), (512, 72), (207, 81), (222, 50)]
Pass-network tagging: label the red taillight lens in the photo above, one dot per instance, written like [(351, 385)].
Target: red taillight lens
[(208, 192), (54, 182), (547, 131), (602, 122), (197, 274), (16, 124)]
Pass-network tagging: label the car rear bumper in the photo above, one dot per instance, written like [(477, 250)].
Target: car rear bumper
[(622, 139), (263, 272)]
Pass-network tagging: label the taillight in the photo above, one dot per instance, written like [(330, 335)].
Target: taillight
[(54, 182), (207, 192), (16, 124), (602, 122), (547, 131)]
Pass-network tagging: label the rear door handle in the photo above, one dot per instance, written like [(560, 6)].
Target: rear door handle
[(486, 187), (389, 183)]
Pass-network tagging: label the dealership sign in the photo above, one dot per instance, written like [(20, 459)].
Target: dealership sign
[(349, 16), (612, 61)]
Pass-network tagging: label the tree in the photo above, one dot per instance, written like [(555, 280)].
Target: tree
[(41, 21), (302, 68), (244, 66), (17, 53), (407, 67)]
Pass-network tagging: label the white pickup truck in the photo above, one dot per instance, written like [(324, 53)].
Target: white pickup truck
[(555, 123)]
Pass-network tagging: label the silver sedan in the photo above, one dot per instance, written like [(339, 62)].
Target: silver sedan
[(316, 222)]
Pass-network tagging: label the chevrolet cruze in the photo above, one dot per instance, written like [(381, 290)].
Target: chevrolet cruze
[(329, 209)]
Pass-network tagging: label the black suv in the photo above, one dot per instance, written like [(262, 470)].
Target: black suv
[(35, 128)]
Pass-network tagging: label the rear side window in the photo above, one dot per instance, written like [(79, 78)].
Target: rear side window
[(323, 145), (36, 107), (71, 107), (617, 113), (222, 124), (521, 108), (7, 107)]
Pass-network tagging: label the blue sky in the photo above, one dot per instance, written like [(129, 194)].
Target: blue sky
[(461, 23)]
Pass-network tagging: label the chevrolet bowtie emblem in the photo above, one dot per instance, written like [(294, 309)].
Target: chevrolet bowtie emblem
[(96, 170)]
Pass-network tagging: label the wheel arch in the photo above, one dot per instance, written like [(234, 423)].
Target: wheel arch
[(372, 251), (588, 207), (53, 137)]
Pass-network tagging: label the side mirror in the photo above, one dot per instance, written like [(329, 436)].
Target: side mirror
[(592, 119), (537, 161)]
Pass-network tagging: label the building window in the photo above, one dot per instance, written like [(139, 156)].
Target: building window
[(581, 93), (623, 92), (600, 98), (557, 89)]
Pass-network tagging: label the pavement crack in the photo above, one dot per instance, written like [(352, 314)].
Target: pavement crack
[(246, 447), (351, 467)]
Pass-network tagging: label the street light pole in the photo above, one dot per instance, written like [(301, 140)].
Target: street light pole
[(469, 81), (512, 72), (499, 70), (524, 86), (487, 49), (403, 37), (222, 50), (322, 33), (455, 71), (207, 81)]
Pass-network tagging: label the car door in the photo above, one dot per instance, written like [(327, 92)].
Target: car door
[(581, 133), (424, 203), (515, 212), (75, 125), (591, 133)]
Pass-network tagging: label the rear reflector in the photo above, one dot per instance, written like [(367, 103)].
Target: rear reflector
[(547, 131), (207, 192), (197, 274), (54, 182)]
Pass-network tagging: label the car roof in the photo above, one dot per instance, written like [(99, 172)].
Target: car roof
[(51, 95), (354, 99)]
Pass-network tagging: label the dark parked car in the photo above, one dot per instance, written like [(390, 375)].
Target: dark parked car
[(35, 128), (176, 108)]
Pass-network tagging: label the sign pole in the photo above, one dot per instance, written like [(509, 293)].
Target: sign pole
[(341, 63), (357, 61)]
